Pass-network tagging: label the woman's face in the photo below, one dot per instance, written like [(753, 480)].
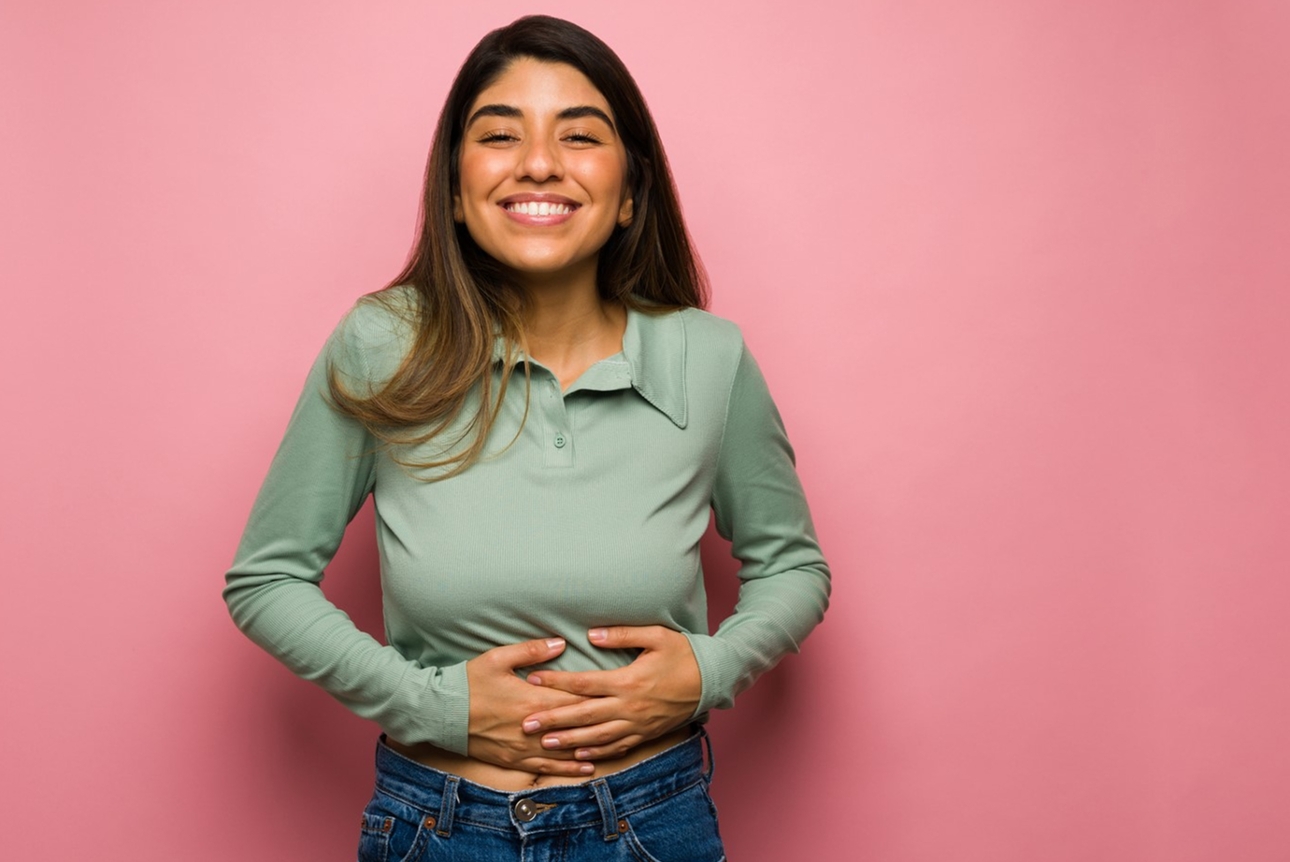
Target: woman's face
[(543, 172)]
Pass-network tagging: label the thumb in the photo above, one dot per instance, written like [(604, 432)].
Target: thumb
[(620, 637), (526, 653)]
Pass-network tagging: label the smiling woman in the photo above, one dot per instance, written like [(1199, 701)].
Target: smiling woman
[(543, 180), (549, 664)]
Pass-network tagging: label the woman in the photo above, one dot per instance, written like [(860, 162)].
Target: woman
[(545, 418)]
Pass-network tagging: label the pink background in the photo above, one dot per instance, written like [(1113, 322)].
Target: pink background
[(1016, 272)]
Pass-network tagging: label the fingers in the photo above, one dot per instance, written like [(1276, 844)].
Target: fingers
[(535, 761), (629, 637), (588, 683), (656, 640), (611, 739), (524, 653), (596, 711), (547, 766), (617, 749)]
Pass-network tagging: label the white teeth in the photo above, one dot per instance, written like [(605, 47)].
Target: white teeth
[(539, 208)]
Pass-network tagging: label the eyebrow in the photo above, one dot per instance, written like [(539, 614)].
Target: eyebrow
[(576, 112)]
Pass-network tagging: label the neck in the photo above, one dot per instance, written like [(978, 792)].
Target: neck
[(569, 328)]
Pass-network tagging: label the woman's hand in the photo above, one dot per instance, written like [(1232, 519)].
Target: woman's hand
[(619, 709), (499, 702)]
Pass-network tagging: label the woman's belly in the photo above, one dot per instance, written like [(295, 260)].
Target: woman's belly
[(511, 780)]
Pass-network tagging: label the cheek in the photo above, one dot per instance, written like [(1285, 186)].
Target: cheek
[(620, 178), (615, 175), (478, 175), (604, 178)]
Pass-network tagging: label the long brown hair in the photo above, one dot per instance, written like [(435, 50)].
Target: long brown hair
[(464, 297)]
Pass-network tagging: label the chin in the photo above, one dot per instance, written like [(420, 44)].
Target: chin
[(540, 266)]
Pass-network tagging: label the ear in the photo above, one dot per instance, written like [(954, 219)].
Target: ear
[(625, 212), (458, 214)]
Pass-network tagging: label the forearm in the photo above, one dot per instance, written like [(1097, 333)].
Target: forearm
[(294, 622), (772, 618)]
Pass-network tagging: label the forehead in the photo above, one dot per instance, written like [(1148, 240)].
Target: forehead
[(537, 87)]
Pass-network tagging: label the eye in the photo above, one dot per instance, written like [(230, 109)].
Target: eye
[(497, 137), (582, 138)]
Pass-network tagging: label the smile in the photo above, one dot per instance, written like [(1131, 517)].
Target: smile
[(538, 208)]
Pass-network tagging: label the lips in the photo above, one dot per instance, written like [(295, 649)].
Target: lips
[(538, 209)]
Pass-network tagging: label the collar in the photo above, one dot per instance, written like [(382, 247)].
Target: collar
[(654, 347)]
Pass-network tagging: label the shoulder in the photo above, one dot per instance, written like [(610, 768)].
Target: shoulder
[(711, 339), (706, 324), (377, 318), (714, 353), (374, 336), (692, 339), (716, 350)]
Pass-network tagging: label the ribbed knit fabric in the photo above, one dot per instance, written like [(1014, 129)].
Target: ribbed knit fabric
[(591, 517)]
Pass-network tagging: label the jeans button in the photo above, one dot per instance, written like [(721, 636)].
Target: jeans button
[(525, 810)]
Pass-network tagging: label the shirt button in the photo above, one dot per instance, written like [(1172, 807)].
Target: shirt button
[(559, 441)]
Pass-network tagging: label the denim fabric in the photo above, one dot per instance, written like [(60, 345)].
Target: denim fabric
[(657, 810)]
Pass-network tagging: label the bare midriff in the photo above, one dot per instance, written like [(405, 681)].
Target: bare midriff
[(506, 779)]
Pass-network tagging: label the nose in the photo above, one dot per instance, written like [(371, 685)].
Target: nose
[(540, 160)]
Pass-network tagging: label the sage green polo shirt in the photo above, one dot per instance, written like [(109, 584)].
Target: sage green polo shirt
[(591, 516)]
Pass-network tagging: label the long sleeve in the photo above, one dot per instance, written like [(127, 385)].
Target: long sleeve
[(759, 506), (320, 476)]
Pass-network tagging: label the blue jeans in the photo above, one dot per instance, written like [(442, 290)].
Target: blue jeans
[(657, 810)]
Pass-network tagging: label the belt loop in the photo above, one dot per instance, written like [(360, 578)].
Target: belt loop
[(712, 761), (607, 814), (447, 806)]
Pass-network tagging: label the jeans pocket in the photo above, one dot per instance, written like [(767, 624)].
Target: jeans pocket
[(681, 828), (374, 839), (393, 831)]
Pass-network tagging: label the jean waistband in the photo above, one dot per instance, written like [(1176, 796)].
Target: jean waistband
[(448, 798)]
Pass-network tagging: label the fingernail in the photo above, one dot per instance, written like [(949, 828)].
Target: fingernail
[(534, 679), (582, 753), (552, 643), (550, 742), (586, 769), (532, 724), (598, 635)]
